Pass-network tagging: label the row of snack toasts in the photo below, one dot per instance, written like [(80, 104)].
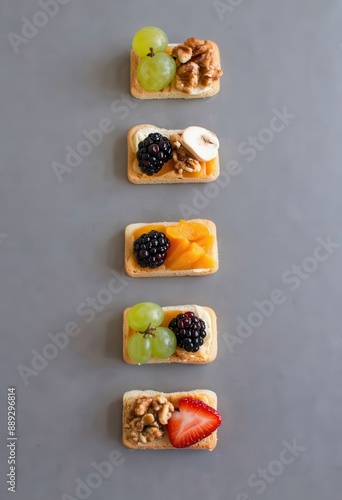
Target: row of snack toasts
[(184, 333)]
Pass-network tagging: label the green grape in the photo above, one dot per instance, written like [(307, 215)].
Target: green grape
[(147, 38), (139, 348), (164, 343), (143, 315), (155, 73)]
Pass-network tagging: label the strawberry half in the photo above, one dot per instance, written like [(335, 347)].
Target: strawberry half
[(193, 422)]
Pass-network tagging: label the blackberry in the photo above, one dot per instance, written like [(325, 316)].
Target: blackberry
[(189, 330), (153, 152), (150, 249)]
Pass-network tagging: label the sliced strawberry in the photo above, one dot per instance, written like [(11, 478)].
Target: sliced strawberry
[(193, 422)]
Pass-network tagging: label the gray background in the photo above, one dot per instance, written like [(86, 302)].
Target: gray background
[(60, 240)]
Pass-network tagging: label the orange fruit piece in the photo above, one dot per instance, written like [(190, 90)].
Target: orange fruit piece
[(191, 230), (187, 258), (204, 262), (146, 229), (206, 242), (210, 166), (177, 247), (168, 316), (173, 233)]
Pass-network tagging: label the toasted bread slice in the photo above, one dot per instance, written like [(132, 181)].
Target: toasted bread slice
[(207, 352), (208, 397), (171, 92), (133, 269), (168, 174)]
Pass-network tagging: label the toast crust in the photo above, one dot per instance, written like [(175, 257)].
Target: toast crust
[(207, 396), (170, 177), (170, 92), (206, 354), (132, 268)]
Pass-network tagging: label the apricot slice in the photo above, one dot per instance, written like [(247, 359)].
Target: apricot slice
[(173, 233), (168, 316), (146, 229), (204, 262), (206, 242), (210, 166), (191, 230), (177, 247), (187, 258)]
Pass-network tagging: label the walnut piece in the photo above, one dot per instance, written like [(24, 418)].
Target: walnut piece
[(133, 436), (148, 416), (182, 158), (153, 433), (187, 77), (158, 402), (141, 405), (195, 65), (184, 53), (147, 419), (165, 413), (142, 438), (137, 424)]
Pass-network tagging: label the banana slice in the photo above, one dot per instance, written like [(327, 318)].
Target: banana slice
[(202, 143)]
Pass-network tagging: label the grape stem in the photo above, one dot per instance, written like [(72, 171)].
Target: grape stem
[(151, 53), (149, 331)]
